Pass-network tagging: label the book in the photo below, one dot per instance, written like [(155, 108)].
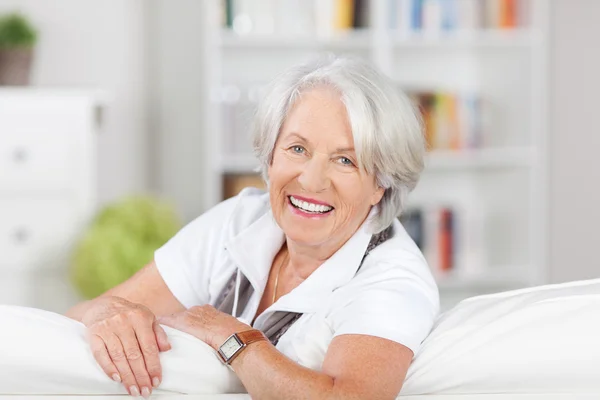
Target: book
[(433, 230), (432, 15), (344, 14), (361, 14), (437, 16), (412, 220), (452, 121), (507, 14), (294, 17)]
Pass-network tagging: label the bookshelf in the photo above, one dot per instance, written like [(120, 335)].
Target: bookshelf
[(492, 179)]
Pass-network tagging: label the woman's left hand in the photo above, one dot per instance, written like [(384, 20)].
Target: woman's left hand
[(206, 323)]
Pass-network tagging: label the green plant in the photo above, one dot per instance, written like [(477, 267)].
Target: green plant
[(16, 31), (121, 239)]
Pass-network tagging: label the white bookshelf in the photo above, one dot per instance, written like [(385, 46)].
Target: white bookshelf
[(502, 185)]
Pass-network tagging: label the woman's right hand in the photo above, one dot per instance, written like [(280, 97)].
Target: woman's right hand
[(126, 340)]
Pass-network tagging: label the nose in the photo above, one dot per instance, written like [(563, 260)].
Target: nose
[(315, 176)]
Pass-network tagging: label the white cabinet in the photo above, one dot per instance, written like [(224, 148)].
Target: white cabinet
[(47, 191)]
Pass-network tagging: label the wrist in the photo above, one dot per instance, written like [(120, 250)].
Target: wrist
[(238, 343), (218, 339)]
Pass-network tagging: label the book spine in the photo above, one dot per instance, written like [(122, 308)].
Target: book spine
[(469, 14), (428, 106), (344, 14), (431, 242), (360, 14), (454, 140), (431, 16), (229, 13), (449, 15), (462, 122), (412, 221), (442, 122), (404, 16), (446, 247), (492, 13), (507, 11), (416, 15), (523, 11)]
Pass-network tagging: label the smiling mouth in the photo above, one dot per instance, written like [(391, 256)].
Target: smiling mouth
[(310, 208)]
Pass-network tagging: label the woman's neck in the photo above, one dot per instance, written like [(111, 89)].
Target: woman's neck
[(305, 259)]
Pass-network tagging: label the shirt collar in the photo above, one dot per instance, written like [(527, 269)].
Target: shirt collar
[(254, 249)]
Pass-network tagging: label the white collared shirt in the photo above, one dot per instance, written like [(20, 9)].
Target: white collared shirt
[(393, 295)]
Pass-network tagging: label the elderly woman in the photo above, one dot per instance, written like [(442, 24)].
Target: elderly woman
[(318, 268)]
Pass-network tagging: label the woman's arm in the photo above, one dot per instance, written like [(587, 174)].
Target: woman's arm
[(146, 287), (355, 367)]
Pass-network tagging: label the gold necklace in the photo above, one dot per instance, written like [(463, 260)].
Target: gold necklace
[(277, 277)]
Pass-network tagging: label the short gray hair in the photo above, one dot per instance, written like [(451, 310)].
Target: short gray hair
[(386, 126)]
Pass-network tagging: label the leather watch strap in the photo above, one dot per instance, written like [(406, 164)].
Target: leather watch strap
[(251, 336), (243, 338)]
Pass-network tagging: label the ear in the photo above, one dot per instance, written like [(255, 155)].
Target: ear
[(377, 195)]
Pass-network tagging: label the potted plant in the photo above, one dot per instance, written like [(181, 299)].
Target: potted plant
[(17, 41), (119, 241)]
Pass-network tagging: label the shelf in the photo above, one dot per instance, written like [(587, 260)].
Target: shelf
[(484, 38), (363, 39), (437, 160), (351, 39), (517, 157), (489, 282), (504, 68)]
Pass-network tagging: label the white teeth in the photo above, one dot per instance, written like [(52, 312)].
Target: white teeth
[(310, 207)]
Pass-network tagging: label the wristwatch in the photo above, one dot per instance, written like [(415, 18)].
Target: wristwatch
[(235, 343)]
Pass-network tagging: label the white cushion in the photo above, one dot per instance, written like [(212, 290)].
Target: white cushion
[(539, 340), (46, 353)]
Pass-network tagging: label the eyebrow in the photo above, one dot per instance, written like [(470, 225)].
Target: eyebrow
[(304, 140), (297, 135)]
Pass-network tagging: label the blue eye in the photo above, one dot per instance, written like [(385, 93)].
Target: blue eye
[(346, 161), (298, 149)]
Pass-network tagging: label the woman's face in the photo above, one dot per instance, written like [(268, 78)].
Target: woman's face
[(318, 194)]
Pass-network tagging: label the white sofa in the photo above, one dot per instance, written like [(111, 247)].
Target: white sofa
[(527, 344)]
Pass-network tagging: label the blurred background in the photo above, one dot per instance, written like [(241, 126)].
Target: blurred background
[(122, 120)]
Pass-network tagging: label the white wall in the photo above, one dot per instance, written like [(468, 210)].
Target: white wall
[(177, 97), (575, 140), (99, 44)]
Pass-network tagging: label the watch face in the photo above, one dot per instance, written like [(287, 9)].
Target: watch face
[(230, 346)]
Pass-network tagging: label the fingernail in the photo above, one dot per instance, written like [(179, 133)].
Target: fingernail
[(155, 382), (145, 392), (116, 378), (134, 391)]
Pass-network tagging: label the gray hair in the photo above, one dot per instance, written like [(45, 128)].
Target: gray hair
[(387, 129)]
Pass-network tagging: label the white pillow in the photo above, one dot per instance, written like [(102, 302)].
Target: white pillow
[(538, 340), (46, 353)]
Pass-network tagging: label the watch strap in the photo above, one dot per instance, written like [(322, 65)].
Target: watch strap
[(251, 336), (244, 338)]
